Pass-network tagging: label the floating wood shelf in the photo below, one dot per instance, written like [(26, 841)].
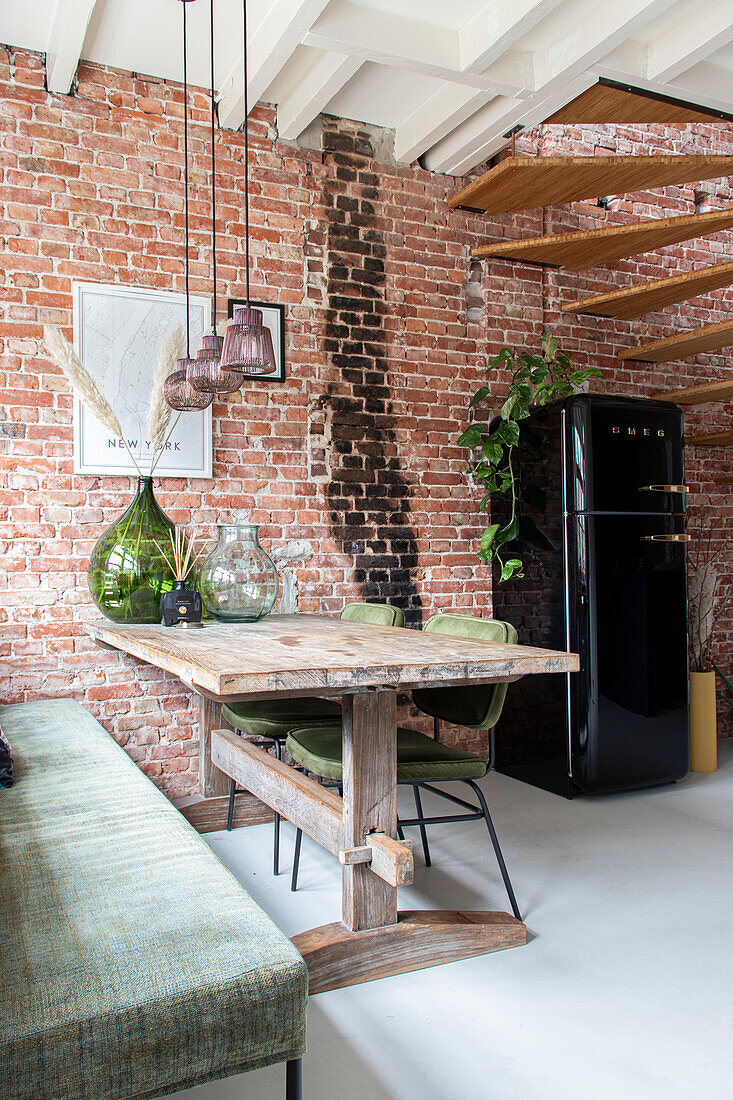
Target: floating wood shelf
[(699, 395), (710, 439), (593, 247), (683, 345), (609, 102), (635, 300), (523, 183)]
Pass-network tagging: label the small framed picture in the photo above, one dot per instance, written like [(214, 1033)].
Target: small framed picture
[(273, 316)]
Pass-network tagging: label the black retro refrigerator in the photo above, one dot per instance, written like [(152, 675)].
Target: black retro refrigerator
[(602, 533)]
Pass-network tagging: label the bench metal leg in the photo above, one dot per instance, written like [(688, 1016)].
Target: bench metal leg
[(276, 837), (230, 811), (294, 1079)]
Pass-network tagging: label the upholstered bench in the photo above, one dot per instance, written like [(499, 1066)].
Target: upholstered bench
[(133, 964)]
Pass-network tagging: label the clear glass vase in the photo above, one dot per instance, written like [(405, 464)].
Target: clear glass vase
[(127, 572), (238, 580)]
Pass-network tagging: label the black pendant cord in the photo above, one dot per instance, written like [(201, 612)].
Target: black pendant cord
[(213, 161), (246, 152), (185, 176)]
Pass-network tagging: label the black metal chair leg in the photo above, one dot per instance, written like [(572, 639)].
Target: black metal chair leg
[(296, 860), (294, 1079), (400, 830), (497, 849), (423, 830), (230, 811), (436, 728)]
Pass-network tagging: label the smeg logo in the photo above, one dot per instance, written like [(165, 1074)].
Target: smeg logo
[(617, 429)]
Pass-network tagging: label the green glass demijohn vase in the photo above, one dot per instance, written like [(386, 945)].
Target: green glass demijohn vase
[(127, 572)]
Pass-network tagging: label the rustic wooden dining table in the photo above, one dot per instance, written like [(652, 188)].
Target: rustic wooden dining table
[(366, 665)]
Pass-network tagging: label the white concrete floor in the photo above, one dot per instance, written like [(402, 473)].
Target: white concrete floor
[(623, 992)]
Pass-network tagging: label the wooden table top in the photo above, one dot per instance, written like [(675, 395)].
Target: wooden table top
[(298, 654)]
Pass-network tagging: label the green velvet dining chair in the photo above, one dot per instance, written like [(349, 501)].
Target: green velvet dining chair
[(269, 722), (423, 761)]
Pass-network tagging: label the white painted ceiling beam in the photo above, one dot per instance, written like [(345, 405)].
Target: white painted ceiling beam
[(271, 45), (693, 36), (312, 90), (707, 83), (496, 28), (578, 35), (485, 133), (434, 119), (388, 39), (65, 41)]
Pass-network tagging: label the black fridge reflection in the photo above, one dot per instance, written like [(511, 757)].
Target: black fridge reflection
[(602, 533)]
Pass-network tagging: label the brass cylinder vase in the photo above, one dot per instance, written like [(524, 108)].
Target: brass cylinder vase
[(703, 723)]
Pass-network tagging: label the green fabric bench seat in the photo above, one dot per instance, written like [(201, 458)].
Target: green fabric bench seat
[(318, 750), (276, 717), (133, 962)]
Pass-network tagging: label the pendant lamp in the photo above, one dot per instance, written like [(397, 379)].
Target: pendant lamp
[(205, 372), (178, 391), (248, 343)]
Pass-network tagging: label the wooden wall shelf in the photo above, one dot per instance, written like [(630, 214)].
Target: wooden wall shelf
[(609, 103), (593, 247), (710, 439), (523, 183), (699, 395), (645, 297), (684, 345)]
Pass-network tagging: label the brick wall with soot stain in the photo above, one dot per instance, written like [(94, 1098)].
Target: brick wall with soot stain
[(367, 495), (91, 188)]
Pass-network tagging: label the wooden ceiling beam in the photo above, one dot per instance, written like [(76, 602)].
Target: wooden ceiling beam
[(593, 247), (683, 345), (524, 183), (633, 301)]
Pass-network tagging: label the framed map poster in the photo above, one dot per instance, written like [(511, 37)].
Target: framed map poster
[(118, 332)]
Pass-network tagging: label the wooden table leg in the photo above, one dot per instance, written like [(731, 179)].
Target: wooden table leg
[(212, 782), (373, 940), (370, 802)]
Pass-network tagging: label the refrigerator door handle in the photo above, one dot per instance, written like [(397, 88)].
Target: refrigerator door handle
[(665, 538), (663, 489)]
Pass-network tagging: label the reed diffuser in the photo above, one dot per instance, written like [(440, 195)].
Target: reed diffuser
[(181, 606)]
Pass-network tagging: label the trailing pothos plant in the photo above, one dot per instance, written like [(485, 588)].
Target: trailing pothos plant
[(535, 380)]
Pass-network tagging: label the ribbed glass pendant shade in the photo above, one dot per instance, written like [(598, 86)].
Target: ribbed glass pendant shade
[(180, 394), (205, 372), (248, 344)]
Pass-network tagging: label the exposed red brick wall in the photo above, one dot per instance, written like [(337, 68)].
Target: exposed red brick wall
[(91, 188)]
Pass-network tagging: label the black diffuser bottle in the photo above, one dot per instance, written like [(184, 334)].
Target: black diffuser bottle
[(181, 606)]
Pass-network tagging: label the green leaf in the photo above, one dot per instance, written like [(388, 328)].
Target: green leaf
[(471, 437), (509, 432), (479, 396), (492, 450), (508, 407), (549, 345), (510, 568), (487, 539), (508, 533)]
